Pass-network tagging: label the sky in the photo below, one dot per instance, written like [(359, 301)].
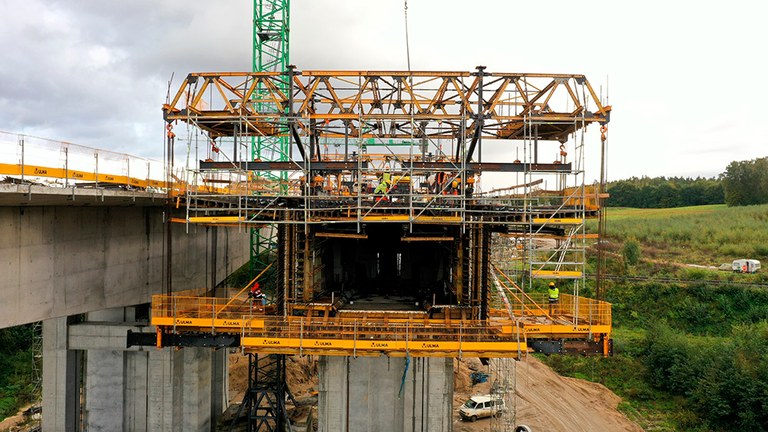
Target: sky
[(686, 79)]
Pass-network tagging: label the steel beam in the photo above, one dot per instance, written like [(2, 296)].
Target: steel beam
[(336, 166)]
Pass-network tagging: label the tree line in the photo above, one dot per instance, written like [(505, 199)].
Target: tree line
[(663, 192), (746, 182), (742, 183)]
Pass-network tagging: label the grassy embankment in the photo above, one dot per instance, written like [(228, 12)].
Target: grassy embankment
[(690, 354)]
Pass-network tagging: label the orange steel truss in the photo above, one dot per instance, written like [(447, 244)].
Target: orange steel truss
[(388, 104)]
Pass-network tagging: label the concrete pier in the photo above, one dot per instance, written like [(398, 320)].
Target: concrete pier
[(136, 389), (372, 394)]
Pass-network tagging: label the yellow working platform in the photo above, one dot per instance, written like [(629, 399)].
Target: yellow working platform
[(504, 334)]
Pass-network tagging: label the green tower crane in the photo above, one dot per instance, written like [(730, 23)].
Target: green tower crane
[(271, 19)]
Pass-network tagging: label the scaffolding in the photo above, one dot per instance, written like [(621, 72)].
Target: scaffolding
[(393, 236), (430, 126), (503, 375)]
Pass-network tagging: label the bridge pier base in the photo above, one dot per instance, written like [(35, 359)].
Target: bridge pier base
[(374, 394), (137, 388), (61, 379)]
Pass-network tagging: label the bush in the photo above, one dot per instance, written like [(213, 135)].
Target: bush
[(724, 379), (631, 252)]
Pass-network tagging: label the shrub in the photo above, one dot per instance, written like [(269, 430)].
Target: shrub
[(631, 252)]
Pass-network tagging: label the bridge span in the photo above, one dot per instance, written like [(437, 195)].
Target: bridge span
[(86, 262)]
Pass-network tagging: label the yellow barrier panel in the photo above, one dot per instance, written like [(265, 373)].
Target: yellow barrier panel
[(555, 274), (558, 221)]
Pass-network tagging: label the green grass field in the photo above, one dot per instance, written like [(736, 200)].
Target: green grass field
[(682, 344), (704, 235)]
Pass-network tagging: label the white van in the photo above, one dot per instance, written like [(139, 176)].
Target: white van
[(481, 406), (745, 265)]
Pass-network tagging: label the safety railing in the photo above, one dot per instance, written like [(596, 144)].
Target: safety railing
[(64, 164), (202, 308), (31, 157), (585, 310), (368, 329), (202, 312), (205, 311)]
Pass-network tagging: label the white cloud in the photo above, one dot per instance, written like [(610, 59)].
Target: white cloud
[(686, 78)]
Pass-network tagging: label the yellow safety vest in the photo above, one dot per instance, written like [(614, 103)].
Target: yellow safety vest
[(554, 293)]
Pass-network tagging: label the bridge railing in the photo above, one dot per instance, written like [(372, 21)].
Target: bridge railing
[(29, 157)]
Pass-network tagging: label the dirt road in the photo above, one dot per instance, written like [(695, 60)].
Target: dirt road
[(549, 402)]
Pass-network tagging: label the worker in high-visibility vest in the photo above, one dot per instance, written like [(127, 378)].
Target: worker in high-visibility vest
[(384, 182), (554, 297)]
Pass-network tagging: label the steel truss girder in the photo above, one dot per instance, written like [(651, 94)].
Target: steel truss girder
[(338, 166), (386, 104)]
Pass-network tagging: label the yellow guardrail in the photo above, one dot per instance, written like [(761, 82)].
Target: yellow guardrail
[(343, 336), (585, 310), (577, 317), (28, 157)]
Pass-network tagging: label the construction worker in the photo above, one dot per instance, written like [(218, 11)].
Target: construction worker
[(440, 178), (554, 297), (470, 188), (384, 181), (256, 294)]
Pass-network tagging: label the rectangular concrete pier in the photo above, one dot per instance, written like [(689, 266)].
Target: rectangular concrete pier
[(379, 394)]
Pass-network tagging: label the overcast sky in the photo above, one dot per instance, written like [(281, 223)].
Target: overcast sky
[(687, 79)]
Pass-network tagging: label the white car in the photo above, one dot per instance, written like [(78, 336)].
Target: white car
[(481, 406)]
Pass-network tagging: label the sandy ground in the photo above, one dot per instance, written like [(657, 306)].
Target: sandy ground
[(545, 400), (549, 402), (14, 423)]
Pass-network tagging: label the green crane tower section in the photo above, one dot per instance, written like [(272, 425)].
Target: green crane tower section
[(271, 19)]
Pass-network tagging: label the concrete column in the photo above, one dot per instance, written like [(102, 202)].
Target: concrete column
[(136, 388), (141, 389), (196, 389), (333, 395), (162, 409), (181, 391), (104, 387), (105, 379), (219, 382), (385, 394), (61, 379)]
